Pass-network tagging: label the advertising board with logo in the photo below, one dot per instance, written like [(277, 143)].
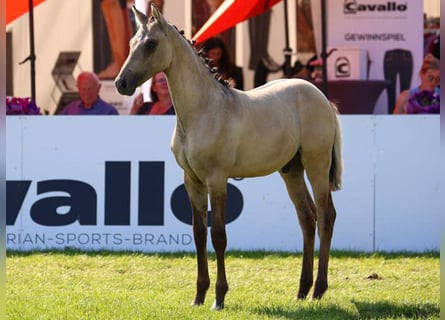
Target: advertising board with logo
[(112, 183), (391, 34)]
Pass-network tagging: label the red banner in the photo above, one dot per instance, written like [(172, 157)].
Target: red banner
[(16, 8), (231, 12)]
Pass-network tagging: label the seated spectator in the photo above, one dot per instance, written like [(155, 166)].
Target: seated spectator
[(216, 50), (424, 98), (161, 102), (89, 103)]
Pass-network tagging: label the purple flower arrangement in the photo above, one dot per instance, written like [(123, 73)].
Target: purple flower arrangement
[(424, 102), (21, 106)]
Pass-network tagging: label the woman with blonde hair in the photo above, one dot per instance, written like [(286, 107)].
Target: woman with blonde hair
[(426, 97)]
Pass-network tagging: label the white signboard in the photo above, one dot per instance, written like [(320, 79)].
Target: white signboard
[(106, 182), (391, 32)]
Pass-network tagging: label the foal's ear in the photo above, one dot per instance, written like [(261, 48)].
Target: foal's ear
[(141, 18), (159, 17)]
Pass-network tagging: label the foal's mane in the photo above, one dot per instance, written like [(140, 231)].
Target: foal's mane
[(202, 54)]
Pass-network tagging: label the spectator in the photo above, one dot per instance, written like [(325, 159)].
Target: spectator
[(161, 102), (216, 50), (89, 103), (413, 100)]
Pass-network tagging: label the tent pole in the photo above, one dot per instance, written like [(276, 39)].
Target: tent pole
[(323, 48), (32, 55), (287, 51)]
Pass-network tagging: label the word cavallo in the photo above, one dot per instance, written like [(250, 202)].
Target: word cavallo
[(391, 6), (61, 202)]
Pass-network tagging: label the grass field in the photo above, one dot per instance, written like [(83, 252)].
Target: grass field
[(263, 285)]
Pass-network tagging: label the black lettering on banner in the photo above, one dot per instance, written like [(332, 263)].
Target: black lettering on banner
[(81, 202), (117, 193), (25, 238), (15, 194), (182, 210), (11, 238), (137, 239), (95, 238), (117, 239), (342, 67), (151, 193), (83, 238), (60, 239), (78, 200), (351, 6)]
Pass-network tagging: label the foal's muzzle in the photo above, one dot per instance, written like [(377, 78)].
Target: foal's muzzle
[(123, 87)]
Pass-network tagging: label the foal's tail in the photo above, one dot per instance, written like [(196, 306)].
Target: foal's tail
[(336, 170)]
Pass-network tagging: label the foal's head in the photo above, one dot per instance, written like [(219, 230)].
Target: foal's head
[(150, 52)]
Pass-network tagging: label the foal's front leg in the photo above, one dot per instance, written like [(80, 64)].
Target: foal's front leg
[(219, 240), (198, 199)]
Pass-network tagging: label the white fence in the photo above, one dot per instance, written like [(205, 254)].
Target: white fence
[(112, 183)]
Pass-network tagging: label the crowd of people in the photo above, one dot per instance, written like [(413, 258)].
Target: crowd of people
[(159, 102), (424, 98)]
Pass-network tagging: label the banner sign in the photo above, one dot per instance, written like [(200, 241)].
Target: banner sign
[(391, 32), (112, 183)]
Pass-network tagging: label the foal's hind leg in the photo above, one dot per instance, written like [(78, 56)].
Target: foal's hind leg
[(198, 199), (326, 220), (317, 169), (296, 187)]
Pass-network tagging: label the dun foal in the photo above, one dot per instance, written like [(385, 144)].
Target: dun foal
[(286, 125)]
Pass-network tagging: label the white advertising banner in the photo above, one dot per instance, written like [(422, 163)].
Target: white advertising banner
[(112, 183), (391, 32)]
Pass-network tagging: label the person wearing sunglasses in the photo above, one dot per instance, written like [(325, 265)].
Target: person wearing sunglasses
[(161, 102), (426, 97)]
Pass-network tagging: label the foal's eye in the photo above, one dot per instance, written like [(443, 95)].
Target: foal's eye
[(150, 44)]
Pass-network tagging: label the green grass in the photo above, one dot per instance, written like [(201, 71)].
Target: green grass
[(263, 285)]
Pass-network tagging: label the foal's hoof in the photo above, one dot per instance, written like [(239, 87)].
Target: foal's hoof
[(199, 299), (217, 307), (317, 296), (320, 289), (197, 303), (301, 296)]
